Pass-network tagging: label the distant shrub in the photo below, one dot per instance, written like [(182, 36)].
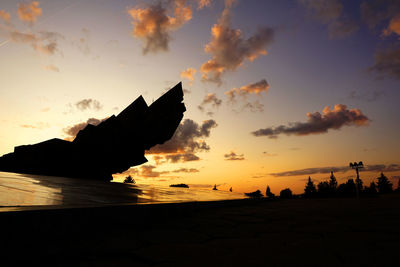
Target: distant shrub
[(268, 193), (179, 185), (384, 185), (255, 194), (286, 193), (129, 180)]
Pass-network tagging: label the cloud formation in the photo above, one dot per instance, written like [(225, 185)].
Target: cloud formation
[(189, 74), (39, 125), (326, 170), (153, 25), (181, 157), (253, 88), (43, 42), (189, 137), (376, 12), (73, 130), (5, 16), (330, 12), (229, 49), (233, 156), (85, 104), (387, 63), (394, 26), (319, 123), (210, 99), (203, 3), (186, 142), (29, 12), (367, 96), (51, 67), (185, 170)]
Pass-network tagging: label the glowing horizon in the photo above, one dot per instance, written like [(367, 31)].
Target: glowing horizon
[(275, 92)]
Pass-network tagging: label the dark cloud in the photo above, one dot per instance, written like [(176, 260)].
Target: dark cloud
[(73, 130), (85, 104), (153, 24), (319, 123), (366, 96), (210, 99), (148, 171), (330, 12), (186, 142), (185, 170), (189, 137), (387, 63), (325, 170), (376, 12), (255, 106), (229, 49), (233, 156)]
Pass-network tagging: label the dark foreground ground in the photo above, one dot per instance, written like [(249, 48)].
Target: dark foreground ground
[(318, 232)]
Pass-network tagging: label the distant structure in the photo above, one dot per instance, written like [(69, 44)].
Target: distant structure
[(179, 185), (215, 187), (113, 146)]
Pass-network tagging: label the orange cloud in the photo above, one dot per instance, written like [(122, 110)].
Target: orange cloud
[(203, 3), (229, 49), (394, 26), (153, 25), (188, 74), (5, 16), (29, 12), (254, 88)]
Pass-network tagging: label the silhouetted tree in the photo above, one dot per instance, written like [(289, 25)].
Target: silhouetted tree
[(286, 193), (310, 190), (371, 190), (268, 193), (359, 184), (324, 189), (347, 189), (384, 185), (332, 182), (129, 180)]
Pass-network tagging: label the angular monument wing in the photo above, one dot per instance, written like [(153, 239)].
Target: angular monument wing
[(114, 145)]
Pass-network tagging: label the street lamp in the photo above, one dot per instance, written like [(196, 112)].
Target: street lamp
[(357, 166)]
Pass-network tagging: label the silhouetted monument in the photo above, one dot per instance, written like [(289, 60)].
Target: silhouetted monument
[(113, 146)]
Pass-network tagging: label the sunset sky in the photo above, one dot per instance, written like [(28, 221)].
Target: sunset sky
[(275, 91)]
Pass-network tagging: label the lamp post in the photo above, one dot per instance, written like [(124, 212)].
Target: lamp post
[(357, 166)]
